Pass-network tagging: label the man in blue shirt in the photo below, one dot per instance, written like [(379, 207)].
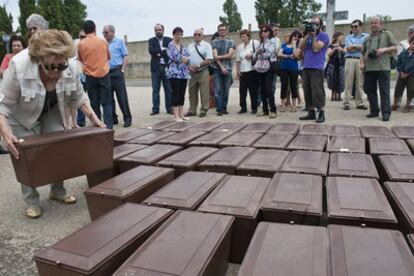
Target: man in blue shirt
[(353, 76), (117, 64)]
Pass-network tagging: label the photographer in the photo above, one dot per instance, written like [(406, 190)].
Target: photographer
[(314, 46), (375, 63)]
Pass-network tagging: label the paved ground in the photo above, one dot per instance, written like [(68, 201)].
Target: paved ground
[(20, 237)]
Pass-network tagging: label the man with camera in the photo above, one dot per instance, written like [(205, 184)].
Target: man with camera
[(375, 63), (314, 46)]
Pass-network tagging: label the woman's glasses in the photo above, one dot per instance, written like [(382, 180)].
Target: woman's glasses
[(264, 31), (59, 66)]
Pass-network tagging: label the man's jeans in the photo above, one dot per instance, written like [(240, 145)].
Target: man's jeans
[(382, 78), (222, 85), (99, 92), (157, 77), (118, 85)]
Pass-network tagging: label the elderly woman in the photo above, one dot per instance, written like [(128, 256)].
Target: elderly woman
[(36, 92), (17, 44)]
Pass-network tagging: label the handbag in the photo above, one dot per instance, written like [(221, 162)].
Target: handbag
[(262, 65), (253, 60)]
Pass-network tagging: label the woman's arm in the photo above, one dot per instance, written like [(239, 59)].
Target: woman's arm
[(7, 135)]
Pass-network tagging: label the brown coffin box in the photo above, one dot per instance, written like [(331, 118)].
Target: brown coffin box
[(187, 160), (262, 162), (350, 144), (293, 198), (345, 130), (352, 165), (401, 196), (161, 125), (147, 156), (186, 192), (211, 139), (189, 243), (311, 162), (396, 168), (119, 151), (239, 196), (369, 251), (56, 156), (403, 132), (181, 138), (358, 201), (206, 126), (388, 145), (375, 131), (100, 247), (285, 128), (315, 129), (308, 142), (232, 127), (129, 135), (225, 160), (273, 141), (410, 239), (258, 127), (180, 126), (132, 186), (283, 249), (152, 137), (241, 139)]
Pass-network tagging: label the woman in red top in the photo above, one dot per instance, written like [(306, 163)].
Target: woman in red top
[(17, 44)]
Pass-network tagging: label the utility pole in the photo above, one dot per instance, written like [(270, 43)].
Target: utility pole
[(330, 21)]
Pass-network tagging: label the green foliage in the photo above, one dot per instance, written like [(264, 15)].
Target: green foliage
[(289, 13), (27, 7), (6, 27), (52, 11), (233, 18), (77, 10)]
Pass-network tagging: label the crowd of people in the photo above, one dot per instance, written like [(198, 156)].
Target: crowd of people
[(352, 64), (56, 82)]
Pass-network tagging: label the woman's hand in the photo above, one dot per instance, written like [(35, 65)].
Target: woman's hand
[(10, 142), (95, 121)]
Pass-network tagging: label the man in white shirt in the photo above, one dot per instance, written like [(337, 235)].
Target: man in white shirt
[(201, 55)]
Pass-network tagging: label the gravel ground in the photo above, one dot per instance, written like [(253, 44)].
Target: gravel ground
[(20, 237)]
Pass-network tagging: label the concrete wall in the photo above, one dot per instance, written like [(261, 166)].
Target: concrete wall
[(139, 58)]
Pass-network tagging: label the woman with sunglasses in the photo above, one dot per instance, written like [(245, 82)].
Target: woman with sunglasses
[(289, 69), (266, 51), (36, 92)]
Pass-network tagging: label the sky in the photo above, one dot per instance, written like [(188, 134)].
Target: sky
[(136, 18)]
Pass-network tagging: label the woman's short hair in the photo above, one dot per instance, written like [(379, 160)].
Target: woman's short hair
[(18, 38), (50, 43), (245, 32), (177, 30)]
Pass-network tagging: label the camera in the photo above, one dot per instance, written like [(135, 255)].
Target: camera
[(372, 54), (310, 26)]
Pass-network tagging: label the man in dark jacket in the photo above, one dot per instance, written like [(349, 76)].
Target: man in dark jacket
[(157, 47)]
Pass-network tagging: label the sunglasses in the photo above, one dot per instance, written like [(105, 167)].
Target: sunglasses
[(264, 31), (354, 26), (82, 36), (59, 66)]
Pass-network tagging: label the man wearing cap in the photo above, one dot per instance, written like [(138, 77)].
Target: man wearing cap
[(201, 55), (400, 85), (353, 76)]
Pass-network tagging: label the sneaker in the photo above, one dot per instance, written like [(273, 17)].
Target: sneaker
[(272, 115), (261, 114), (363, 107), (202, 114), (254, 111), (185, 118), (189, 114), (346, 107), (372, 115), (219, 113), (310, 116), (386, 117), (225, 112), (241, 111)]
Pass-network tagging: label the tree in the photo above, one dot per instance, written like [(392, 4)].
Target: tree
[(27, 7), (233, 18), (77, 10), (52, 11), (286, 13), (6, 27)]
